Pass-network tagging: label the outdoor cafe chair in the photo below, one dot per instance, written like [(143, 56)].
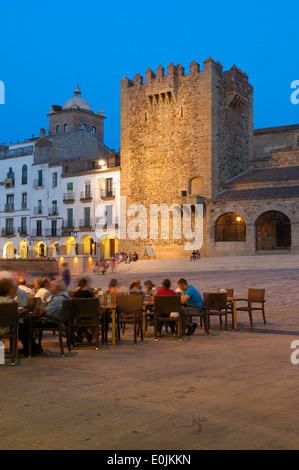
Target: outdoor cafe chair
[(130, 311), (167, 304), (254, 301), (87, 315), (63, 324), (202, 314), (9, 322), (216, 304)]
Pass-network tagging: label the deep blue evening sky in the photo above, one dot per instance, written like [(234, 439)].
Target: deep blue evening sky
[(45, 46)]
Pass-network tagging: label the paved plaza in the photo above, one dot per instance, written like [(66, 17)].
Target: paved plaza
[(227, 391)]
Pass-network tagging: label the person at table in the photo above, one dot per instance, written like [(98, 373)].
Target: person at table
[(82, 292), (52, 309), (19, 295), (190, 296), (44, 292), (165, 290), (5, 298), (113, 284), (151, 289), (136, 288), (22, 285)]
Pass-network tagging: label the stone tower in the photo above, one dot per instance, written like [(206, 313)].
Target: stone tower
[(182, 137)]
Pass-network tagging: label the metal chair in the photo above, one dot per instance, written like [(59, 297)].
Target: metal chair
[(167, 304), (9, 321), (255, 301)]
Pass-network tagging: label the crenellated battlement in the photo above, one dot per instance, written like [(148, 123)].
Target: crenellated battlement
[(234, 78)]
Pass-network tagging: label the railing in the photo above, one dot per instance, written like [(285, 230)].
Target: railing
[(37, 233), (68, 225), (22, 231), (69, 197), (40, 183), (9, 207), (108, 194), (86, 195), (10, 183), (8, 232), (24, 205), (17, 152), (38, 210), (86, 224), (53, 211), (53, 232)]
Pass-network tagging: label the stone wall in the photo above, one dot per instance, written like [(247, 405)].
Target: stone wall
[(250, 211), (33, 267), (178, 127)]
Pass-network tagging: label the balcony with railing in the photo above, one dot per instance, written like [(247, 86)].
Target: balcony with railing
[(10, 183), (108, 194), (23, 231), (68, 226), (53, 232), (86, 196), (9, 207), (37, 232), (69, 197), (8, 232), (53, 212), (86, 224), (38, 210), (39, 183)]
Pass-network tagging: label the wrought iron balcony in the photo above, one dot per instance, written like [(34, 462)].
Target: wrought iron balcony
[(108, 194), (8, 232), (9, 207), (69, 198), (86, 196)]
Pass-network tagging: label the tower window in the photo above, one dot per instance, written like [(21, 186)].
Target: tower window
[(66, 128), (93, 130), (58, 129), (83, 126)]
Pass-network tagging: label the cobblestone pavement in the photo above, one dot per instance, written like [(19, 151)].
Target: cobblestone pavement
[(228, 391)]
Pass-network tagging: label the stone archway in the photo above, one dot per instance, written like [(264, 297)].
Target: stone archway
[(273, 231), (8, 250), (39, 250)]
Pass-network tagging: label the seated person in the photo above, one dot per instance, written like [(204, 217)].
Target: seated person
[(82, 291), (22, 285), (136, 288), (113, 285), (52, 309), (166, 291), (5, 289), (44, 292), (151, 289), (19, 295), (190, 296)]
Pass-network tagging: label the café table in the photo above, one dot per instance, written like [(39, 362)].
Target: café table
[(111, 307)]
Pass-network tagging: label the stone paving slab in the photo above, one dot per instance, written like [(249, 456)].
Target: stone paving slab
[(228, 391)]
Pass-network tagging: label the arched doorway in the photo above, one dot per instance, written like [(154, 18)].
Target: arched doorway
[(69, 246), (8, 250), (273, 231), (110, 246), (23, 250), (54, 249), (87, 246), (39, 250)]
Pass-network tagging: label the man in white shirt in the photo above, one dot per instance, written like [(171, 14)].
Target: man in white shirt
[(22, 285)]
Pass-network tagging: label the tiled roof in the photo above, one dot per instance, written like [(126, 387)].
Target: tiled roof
[(260, 175), (258, 193), (267, 130)]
